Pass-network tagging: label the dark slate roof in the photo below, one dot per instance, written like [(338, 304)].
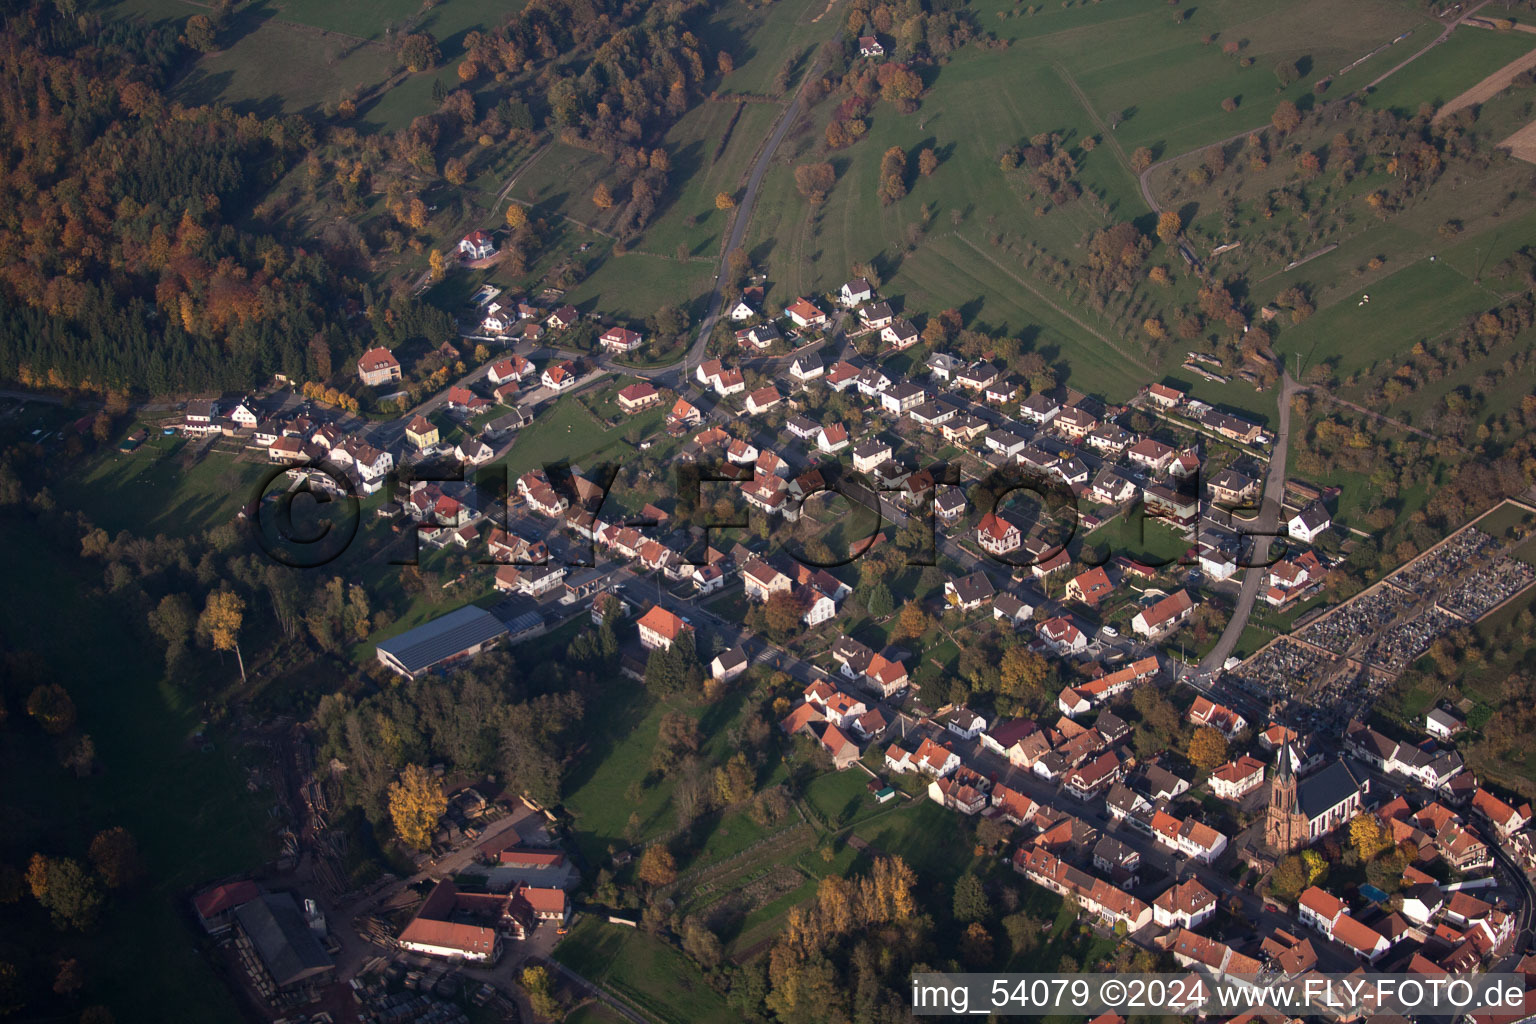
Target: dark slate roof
[(975, 587), (444, 637), (1327, 788), (282, 939), (731, 657), (1313, 516)]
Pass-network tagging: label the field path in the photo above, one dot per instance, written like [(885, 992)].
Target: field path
[(1489, 87), (1105, 132), (1028, 286), (1146, 175), (738, 232)]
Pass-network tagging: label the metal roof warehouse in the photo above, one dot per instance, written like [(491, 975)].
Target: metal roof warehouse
[(459, 634)]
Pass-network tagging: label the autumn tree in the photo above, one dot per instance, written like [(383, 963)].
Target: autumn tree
[(454, 171), (115, 855), (1153, 326), (220, 622), (676, 737), (1286, 117), (50, 705), (976, 945), (702, 944), (541, 992), (70, 979), (1207, 748), (416, 804), (516, 216), (1141, 159), (782, 613), (927, 161), (1368, 836), (1022, 673), (436, 265), (724, 201), (1169, 224), (913, 622), (734, 780), (815, 180), (601, 197), (724, 64), (65, 890), (418, 52), (893, 174), (657, 866), (200, 34)]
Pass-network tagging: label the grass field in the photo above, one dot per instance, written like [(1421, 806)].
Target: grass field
[(193, 818), (318, 68), (155, 490), (697, 175), (1453, 67), (1421, 300), (642, 970), (567, 432)]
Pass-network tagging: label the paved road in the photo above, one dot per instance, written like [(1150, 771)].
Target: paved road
[(739, 227), (1268, 520)]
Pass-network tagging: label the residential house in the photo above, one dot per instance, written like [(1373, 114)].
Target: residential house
[(968, 593), (763, 399), (619, 340), (728, 664), (854, 292), (1090, 587), (638, 396), (378, 366), (804, 313), (806, 367), (1187, 904), (421, 432), (659, 628), (1039, 408), (1152, 456), (1062, 637), (1309, 523), (997, 535), (559, 376), (1206, 712), (477, 245), (1163, 616), (876, 315), (1238, 778), (1165, 397), (899, 334)]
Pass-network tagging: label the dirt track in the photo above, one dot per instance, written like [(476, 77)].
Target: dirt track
[(1491, 86), (1522, 144)]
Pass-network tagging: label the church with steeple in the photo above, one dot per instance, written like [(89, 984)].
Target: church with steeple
[(1303, 809), (1285, 826)]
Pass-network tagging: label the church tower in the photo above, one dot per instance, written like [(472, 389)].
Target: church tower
[(1285, 827)]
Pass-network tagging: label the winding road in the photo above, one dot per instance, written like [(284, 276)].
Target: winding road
[(1268, 521), (738, 230)]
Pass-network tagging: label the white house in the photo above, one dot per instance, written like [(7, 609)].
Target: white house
[(477, 245), (1309, 524), (728, 664), (855, 292)]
